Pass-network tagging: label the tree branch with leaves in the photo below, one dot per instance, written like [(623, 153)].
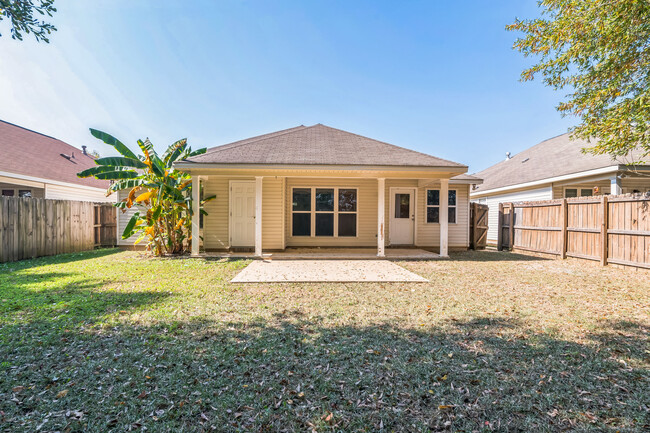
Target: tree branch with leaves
[(23, 18), (599, 51)]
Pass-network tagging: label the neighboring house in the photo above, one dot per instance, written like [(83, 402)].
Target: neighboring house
[(39, 166), (555, 168), (318, 186)]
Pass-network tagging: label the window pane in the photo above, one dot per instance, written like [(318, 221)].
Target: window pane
[(572, 192), (452, 214), (347, 200), (301, 224), (452, 198), (433, 197), (586, 192), (433, 214), (302, 199), (8, 192), (402, 205), (24, 193), (347, 224), (325, 200), (324, 224)]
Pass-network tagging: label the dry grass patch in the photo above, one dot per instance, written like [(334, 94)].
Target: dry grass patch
[(113, 341)]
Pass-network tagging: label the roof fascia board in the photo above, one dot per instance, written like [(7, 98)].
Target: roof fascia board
[(595, 172), (427, 182), (50, 181), (466, 181), (189, 166)]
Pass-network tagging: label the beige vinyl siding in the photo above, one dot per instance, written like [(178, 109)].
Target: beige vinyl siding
[(629, 184), (215, 223), (428, 234), (59, 192), (277, 213), (272, 213), (604, 185), (366, 213)]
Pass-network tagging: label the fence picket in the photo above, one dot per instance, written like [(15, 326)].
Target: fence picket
[(609, 229), (34, 227)]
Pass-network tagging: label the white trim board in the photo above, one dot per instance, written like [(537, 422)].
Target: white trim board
[(50, 181)]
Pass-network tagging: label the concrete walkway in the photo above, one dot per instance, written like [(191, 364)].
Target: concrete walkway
[(290, 271)]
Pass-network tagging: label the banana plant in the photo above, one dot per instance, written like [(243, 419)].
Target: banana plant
[(163, 195)]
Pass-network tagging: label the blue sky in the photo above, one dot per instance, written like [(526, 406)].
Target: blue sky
[(438, 77)]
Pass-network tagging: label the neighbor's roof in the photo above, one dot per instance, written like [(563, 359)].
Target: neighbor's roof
[(558, 156), (317, 145), (30, 153)]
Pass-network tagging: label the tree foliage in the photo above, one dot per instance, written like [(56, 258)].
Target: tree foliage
[(24, 17), (162, 194), (599, 51)]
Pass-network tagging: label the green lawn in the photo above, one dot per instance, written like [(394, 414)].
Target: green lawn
[(115, 341)]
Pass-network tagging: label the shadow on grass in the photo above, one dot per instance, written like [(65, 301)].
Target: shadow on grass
[(492, 256), (63, 299), (58, 259), (297, 373)]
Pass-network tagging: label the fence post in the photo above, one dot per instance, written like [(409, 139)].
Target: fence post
[(604, 239), (511, 228), (565, 232), (500, 228)]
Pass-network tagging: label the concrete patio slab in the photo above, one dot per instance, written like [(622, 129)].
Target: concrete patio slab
[(316, 271)]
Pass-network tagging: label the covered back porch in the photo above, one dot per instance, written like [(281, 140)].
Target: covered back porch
[(351, 215)]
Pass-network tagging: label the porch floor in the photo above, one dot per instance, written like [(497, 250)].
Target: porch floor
[(332, 254)]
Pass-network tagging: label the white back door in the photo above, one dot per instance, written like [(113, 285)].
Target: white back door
[(402, 216), (242, 213)]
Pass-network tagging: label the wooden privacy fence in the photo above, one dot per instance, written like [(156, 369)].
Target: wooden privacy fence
[(479, 226), (35, 227), (608, 229)]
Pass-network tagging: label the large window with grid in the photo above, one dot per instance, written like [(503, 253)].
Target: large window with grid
[(433, 206), (324, 212)]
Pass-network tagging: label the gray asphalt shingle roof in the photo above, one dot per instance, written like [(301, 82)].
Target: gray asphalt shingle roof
[(554, 157), (317, 145)]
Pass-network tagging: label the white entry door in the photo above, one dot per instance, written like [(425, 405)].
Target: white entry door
[(402, 216), (242, 213)]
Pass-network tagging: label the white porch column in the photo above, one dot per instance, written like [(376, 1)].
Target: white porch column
[(381, 215), (615, 188), (444, 217), (258, 216), (196, 205)]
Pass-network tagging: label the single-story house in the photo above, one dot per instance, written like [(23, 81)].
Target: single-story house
[(40, 166), (316, 186), (555, 168)]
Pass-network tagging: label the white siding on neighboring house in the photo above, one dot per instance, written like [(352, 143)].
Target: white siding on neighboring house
[(545, 193), (60, 192), (123, 219)]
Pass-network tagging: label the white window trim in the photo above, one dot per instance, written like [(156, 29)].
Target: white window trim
[(313, 212), (427, 206), (578, 191)]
